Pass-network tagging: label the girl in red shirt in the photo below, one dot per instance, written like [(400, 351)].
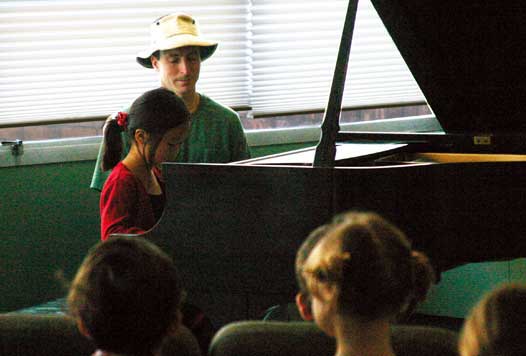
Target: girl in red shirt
[(132, 199)]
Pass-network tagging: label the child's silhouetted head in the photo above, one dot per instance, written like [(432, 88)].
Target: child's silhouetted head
[(496, 325), (363, 269), (126, 296)]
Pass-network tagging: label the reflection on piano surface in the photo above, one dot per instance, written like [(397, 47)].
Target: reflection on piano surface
[(459, 195)]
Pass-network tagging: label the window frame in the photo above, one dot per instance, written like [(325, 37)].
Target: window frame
[(86, 148)]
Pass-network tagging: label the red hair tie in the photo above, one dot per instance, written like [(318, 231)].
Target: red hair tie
[(122, 119)]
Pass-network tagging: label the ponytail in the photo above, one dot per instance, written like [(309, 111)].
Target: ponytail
[(113, 145)]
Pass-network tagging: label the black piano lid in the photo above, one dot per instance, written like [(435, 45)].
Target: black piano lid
[(468, 57)]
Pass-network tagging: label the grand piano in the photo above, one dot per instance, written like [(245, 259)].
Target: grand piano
[(460, 195)]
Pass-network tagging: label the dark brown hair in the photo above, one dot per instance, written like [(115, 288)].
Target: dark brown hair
[(156, 111), (127, 295)]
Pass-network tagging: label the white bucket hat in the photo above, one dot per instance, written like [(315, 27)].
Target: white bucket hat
[(174, 31)]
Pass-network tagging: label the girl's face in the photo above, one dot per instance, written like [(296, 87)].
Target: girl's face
[(168, 148), (324, 304), (324, 311)]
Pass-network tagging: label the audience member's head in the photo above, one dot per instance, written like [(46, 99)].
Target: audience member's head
[(496, 325), (363, 269), (126, 296)]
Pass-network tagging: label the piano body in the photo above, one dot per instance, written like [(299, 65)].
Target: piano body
[(460, 196)]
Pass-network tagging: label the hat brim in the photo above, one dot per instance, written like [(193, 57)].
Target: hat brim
[(206, 48)]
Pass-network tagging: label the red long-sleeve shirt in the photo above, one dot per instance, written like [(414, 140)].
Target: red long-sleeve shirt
[(125, 206)]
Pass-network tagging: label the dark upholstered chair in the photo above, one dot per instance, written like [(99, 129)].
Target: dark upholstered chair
[(41, 335), (413, 340), (261, 338), (57, 335)]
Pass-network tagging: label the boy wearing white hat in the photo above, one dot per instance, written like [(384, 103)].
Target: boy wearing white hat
[(176, 52)]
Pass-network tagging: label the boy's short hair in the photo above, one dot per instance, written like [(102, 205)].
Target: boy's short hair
[(126, 294)]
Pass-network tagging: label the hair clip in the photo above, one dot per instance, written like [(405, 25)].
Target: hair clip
[(122, 119)]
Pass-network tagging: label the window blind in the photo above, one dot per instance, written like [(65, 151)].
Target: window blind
[(295, 49), (76, 59)]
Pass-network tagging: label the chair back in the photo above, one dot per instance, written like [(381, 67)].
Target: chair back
[(41, 335), (275, 338), (57, 335)]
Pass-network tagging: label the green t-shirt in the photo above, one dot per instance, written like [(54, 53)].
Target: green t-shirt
[(216, 136)]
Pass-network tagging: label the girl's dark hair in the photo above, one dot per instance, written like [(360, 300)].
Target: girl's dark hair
[(372, 265), (127, 294), (156, 111)]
